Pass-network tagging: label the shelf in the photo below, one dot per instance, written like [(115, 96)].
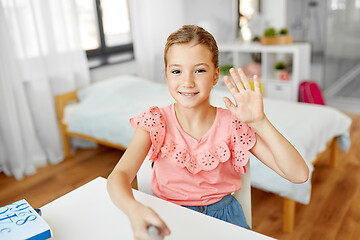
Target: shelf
[(257, 47), (277, 81), (298, 54)]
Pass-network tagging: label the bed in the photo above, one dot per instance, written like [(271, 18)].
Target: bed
[(100, 112)]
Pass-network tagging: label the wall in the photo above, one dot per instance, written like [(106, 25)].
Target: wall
[(219, 18), (307, 21), (275, 12)]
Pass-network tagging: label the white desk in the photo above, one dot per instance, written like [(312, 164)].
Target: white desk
[(88, 213)]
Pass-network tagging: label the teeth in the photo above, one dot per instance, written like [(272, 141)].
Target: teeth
[(188, 94)]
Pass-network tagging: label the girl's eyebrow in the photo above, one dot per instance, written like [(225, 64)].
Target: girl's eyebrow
[(199, 64), (196, 65), (174, 65)]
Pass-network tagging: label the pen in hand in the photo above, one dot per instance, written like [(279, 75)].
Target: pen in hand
[(38, 211)]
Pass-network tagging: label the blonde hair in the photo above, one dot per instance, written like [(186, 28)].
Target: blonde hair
[(193, 34)]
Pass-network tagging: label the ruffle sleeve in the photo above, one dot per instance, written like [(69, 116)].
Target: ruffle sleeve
[(151, 121), (242, 139)]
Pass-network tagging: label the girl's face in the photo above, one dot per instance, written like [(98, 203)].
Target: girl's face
[(190, 74)]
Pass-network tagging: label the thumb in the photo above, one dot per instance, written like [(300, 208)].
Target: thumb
[(164, 229), (229, 105), (161, 225)]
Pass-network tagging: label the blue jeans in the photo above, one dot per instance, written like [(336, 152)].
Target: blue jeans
[(227, 209)]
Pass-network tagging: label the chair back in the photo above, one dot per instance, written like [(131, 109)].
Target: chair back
[(243, 195), (144, 176)]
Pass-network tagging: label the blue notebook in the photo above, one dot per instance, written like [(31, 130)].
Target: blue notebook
[(19, 220)]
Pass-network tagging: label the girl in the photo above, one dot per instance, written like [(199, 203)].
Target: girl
[(199, 150)]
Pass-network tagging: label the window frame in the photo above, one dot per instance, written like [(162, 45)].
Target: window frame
[(103, 53)]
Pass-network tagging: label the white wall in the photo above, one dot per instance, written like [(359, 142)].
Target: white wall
[(219, 17), (275, 13)]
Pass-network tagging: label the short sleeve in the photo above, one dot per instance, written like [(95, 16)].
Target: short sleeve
[(151, 121), (242, 139)]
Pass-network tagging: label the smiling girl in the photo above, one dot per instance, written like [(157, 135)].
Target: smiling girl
[(199, 151)]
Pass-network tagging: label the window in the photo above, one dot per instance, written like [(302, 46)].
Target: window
[(105, 31)]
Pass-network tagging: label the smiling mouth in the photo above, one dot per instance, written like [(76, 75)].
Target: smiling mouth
[(188, 94)]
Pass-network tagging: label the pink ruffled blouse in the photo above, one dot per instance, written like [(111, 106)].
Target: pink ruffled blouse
[(194, 172)]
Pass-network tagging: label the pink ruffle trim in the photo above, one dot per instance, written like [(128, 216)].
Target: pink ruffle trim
[(237, 145), (151, 121)]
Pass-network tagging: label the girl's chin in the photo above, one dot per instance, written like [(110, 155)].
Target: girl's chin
[(192, 104)]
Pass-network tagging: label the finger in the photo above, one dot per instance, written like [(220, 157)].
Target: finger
[(229, 105), (236, 79), (164, 229), (244, 79), (230, 86), (257, 84)]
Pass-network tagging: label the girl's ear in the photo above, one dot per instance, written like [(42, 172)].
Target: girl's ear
[(216, 76)]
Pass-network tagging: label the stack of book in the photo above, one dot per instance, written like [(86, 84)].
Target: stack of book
[(19, 220)]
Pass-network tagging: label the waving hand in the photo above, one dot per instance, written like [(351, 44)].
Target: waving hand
[(248, 106)]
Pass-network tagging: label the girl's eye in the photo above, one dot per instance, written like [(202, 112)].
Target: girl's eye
[(200, 71), (175, 71)]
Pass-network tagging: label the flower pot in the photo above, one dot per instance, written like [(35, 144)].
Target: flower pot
[(281, 75), (276, 40)]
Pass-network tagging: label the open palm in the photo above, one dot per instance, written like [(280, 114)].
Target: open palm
[(248, 106)]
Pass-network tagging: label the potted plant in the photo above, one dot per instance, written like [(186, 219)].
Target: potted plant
[(283, 31), (224, 70), (280, 71), (270, 32), (272, 37), (280, 66)]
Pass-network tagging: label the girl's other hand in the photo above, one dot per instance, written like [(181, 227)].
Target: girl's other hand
[(248, 106), (141, 218)]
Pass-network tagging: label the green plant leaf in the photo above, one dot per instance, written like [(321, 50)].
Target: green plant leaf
[(283, 31), (269, 32), (280, 66)]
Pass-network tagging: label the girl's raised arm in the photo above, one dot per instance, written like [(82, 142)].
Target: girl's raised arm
[(119, 187), (272, 148)]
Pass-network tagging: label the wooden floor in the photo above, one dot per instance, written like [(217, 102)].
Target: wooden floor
[(333, 213)]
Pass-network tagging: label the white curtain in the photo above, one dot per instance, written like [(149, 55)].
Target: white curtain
[(40, 57), (151, 23)]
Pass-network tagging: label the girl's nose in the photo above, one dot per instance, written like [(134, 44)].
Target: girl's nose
[(189, 81)]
